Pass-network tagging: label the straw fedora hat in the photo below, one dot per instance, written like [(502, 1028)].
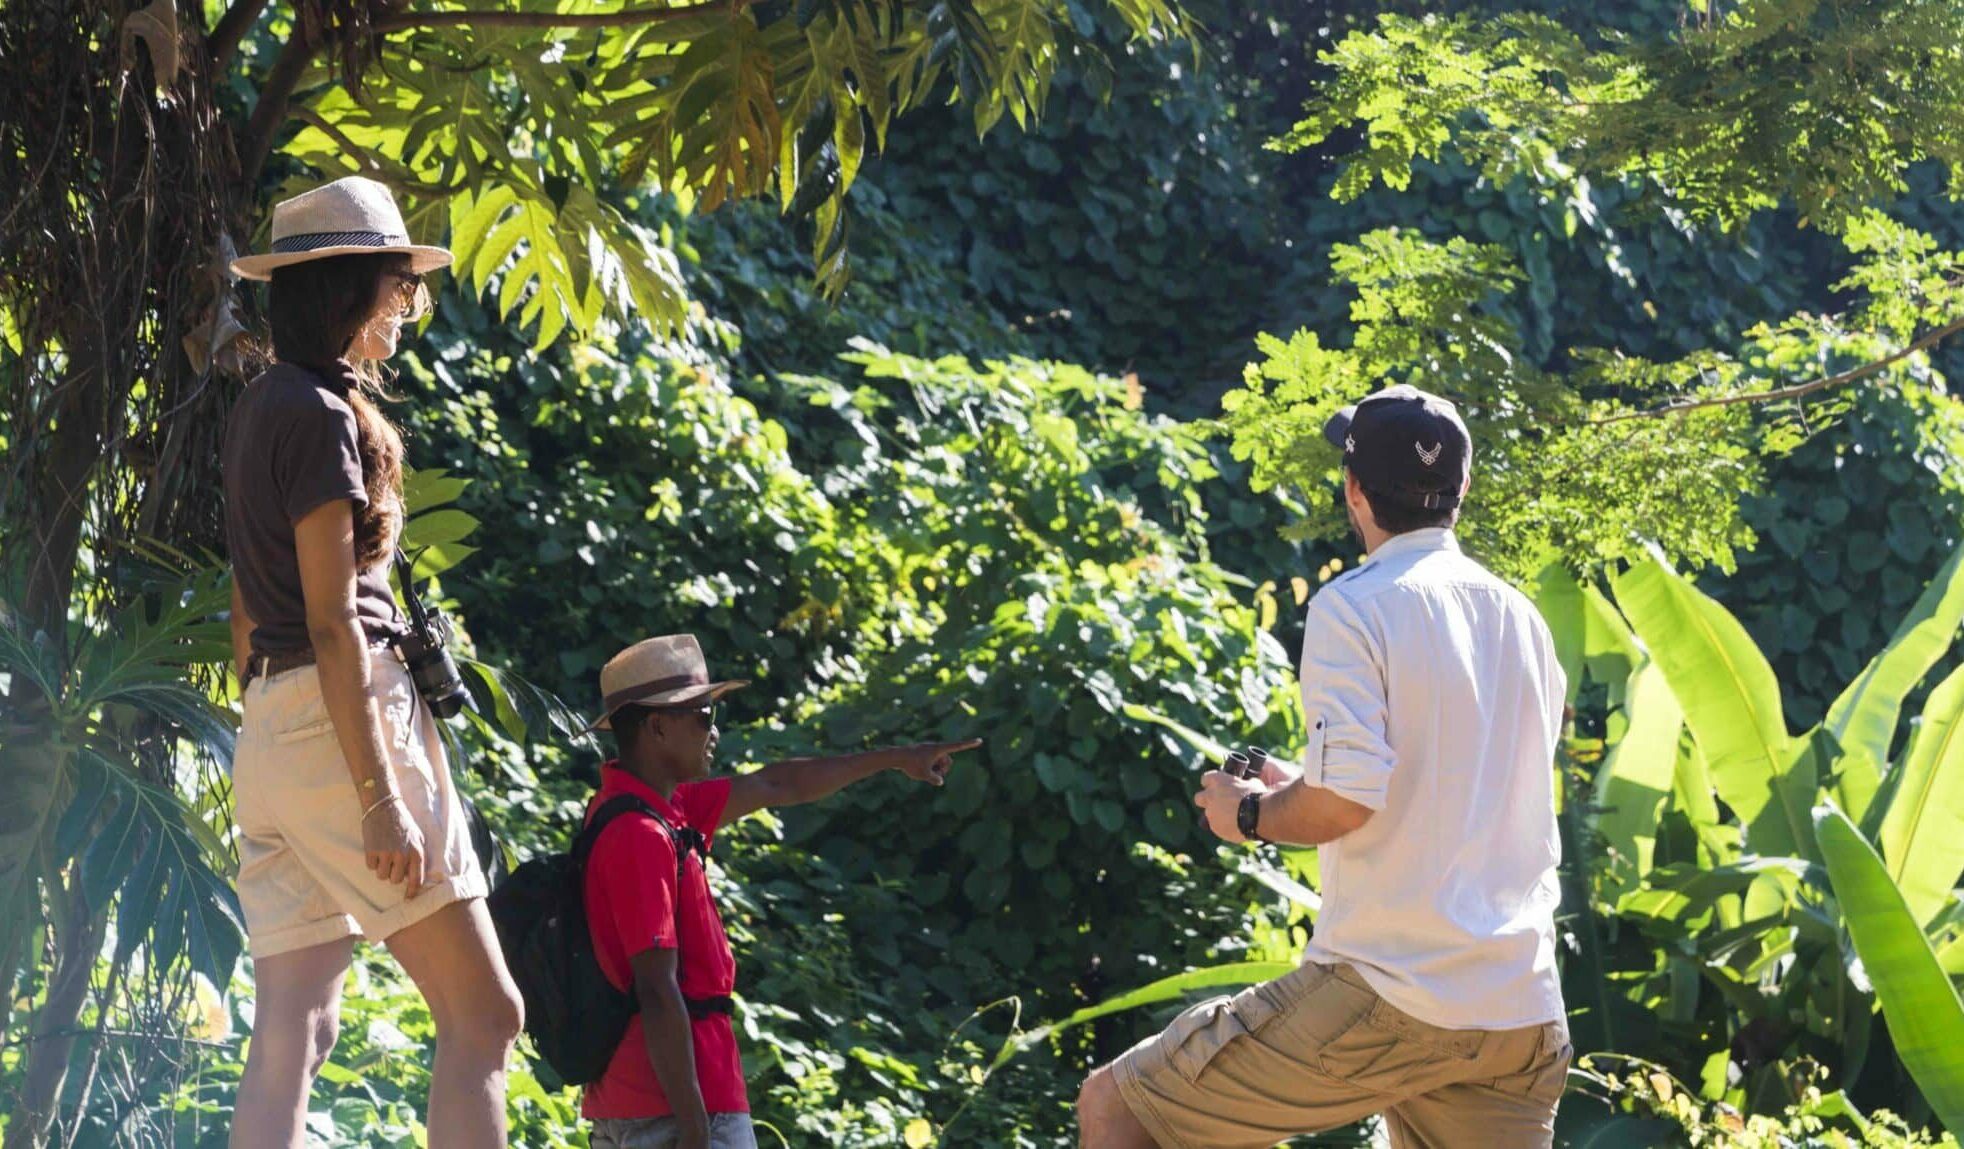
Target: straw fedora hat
[(352, 216), (667, 671)]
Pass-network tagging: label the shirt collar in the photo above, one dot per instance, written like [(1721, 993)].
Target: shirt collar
[(614, 780), (1417, 542)]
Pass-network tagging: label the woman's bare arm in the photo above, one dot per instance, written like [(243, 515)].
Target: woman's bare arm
[(324, 542)]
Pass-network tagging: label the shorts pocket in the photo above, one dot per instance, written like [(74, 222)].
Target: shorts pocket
[(302, 733), (1387, 1051), (1199, 1035), (297, 719)]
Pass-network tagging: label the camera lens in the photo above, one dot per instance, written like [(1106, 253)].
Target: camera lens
[(437, 680)]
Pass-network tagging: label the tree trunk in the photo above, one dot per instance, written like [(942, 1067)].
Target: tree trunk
[(52, 1039)]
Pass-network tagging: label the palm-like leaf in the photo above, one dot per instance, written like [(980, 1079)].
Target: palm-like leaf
[(1926, 1020), (30, 769), (1636, 777), (85, 812), (1863, 719), (1923, 829), (1731, 702)]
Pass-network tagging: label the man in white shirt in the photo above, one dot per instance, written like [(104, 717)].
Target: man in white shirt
[(1429, 993)]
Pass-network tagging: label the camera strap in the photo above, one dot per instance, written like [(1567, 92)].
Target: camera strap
[(404, 575)]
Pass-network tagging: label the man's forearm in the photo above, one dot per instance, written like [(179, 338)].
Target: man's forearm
[(799, 780), (1299, 814), (670, 1041)]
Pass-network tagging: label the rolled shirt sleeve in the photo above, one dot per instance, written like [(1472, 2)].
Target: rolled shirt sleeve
[(1344, 690)]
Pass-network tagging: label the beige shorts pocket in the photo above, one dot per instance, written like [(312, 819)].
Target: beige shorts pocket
[(1199, 1035), (1386, 1051), (323, 725), (1311, 1008)]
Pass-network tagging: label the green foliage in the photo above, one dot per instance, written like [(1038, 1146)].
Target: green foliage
[(707, 103), (1573, 143), (98, 821), (1713, 890), (1731, 114), (1645, 1106), (1550, 479), (1925, 1018), (924, 543), (1730, 703), (1853, 524)]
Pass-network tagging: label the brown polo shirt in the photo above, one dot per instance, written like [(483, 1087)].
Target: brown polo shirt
[(290, 447)]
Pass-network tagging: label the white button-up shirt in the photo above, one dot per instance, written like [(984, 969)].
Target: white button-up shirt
[(1432, 694)]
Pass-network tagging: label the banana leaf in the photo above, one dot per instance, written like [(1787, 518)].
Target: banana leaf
[(1153, 993), (1923, 830), (1731, 702), (1926, 1019), (1863, 720), (1636, 777)]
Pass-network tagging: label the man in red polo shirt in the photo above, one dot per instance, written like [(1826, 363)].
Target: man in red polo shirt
[(676, 1082)]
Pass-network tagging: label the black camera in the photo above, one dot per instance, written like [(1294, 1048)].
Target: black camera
[(425, 650)]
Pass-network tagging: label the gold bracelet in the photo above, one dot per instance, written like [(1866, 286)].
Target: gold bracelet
[(379, 803)]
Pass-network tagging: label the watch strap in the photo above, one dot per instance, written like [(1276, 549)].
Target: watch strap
[(1248, 817)]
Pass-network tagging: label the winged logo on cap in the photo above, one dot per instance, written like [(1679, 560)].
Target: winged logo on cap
[(1432, 456)]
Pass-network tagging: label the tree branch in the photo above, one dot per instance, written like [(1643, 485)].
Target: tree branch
[(493, 18), (270, 113), (1928, 340), (231, 31)]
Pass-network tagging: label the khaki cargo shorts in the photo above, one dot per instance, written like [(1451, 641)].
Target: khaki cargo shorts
[(1318, 1049), (303, 874)]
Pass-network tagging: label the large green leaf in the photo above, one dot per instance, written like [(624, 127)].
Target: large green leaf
[(149, 644), (1691, 795), (1926, 1020), (1731, 702), (150, 852), (1863, 720), (1214, 751), (1923, 830), (1675, 900), (1636, 777), (1153, 993), (30, 773)]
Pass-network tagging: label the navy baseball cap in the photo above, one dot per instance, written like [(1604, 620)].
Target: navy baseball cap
[(1405, 444)]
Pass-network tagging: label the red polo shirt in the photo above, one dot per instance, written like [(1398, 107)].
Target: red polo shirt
[(632, 905)]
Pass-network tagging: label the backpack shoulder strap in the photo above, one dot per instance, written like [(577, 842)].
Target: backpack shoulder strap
[(685, 840), (609, 810)]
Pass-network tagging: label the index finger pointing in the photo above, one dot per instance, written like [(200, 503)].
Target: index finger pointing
[(959, 747)]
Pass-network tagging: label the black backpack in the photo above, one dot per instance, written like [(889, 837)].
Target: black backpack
[(574, 1014)]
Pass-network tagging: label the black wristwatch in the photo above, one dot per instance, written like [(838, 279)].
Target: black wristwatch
[(1249, 816)]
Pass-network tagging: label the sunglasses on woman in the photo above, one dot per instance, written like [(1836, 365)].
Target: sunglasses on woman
[(412, 298)]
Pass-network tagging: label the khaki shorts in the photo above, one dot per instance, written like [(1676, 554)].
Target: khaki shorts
[(303, 874), (1319, 1049)]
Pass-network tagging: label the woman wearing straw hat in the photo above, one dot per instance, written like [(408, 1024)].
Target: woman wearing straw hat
[(349, 825)]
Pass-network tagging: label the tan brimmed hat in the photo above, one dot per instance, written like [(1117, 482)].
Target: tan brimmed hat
[(352, 216), (668, 671)]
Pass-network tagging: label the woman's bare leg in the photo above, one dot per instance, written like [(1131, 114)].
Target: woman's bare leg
[(296, 1015), (453, 958)]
